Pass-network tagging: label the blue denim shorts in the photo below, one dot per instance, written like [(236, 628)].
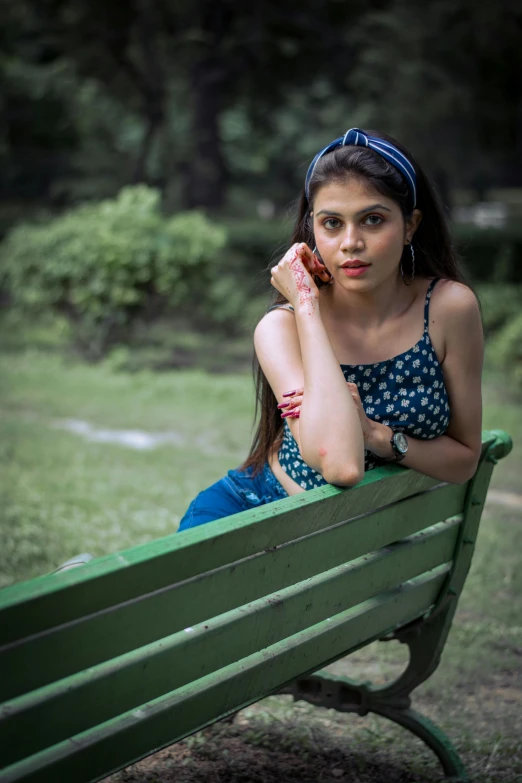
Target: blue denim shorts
[(238, 491)]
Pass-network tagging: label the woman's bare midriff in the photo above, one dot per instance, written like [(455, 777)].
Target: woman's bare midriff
[(291, 486)]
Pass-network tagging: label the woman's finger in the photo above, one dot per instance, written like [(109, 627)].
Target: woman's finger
[(290, 403), (293, 405), (356, 397), (291, 415), (313, 264)]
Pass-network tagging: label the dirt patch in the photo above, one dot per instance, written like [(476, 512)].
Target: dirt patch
[(140, 440), (277, 741), (250, 753), (508, 499)]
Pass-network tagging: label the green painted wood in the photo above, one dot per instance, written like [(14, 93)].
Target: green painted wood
[(33, 606), (50, 656), (49, 715), (91, 755), (501, 445), (473, 507), (319, 517), (426, 647)]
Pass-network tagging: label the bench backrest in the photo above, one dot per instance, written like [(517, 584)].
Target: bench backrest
[(108, 662)]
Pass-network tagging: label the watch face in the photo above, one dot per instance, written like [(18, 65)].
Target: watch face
[(401, 442)]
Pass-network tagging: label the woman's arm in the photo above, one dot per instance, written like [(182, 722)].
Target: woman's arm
[(294, 351), (452, 457)]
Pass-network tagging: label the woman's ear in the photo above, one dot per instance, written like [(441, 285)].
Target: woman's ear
[(412, 225)]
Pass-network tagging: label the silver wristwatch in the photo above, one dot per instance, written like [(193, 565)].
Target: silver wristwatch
[(399, 444)]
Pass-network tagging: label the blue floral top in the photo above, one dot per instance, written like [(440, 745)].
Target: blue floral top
[(406, 392)]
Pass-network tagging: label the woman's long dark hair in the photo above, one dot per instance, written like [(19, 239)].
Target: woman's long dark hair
[(434, 252)]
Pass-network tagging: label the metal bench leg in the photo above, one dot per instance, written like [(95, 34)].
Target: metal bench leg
[(425, 640), (433, 736), (343, 695)]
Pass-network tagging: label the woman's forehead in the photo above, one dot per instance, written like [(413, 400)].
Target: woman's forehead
[(351, 194)]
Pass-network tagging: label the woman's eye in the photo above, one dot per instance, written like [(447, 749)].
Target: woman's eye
[(329, 221), (373, 220)]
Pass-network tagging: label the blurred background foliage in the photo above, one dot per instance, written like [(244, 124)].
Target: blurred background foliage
[(149, 152)]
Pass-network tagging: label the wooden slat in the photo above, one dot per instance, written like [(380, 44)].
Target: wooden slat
[(89, 756), (50, 714), (31, 607), (50, 656)]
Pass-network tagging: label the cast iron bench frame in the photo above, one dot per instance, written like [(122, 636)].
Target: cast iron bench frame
[(107, 663)]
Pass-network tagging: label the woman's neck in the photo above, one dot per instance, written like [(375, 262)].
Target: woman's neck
[(369, 309)]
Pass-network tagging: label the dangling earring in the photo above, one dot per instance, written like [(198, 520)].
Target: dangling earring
[(412, 267), (316, 253)]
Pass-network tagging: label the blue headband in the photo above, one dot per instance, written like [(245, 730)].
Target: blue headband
[(358, 138)]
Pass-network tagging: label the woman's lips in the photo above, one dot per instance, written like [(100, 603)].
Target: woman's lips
[(355, 270)]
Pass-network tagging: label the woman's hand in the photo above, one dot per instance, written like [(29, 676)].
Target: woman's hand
[(367, 425), (293, 275), (292, 409)]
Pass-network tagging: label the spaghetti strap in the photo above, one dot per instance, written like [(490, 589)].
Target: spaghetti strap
[(427, 303), (280, 307)]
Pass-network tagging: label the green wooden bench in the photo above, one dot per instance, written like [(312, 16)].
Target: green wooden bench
[(109, 662)]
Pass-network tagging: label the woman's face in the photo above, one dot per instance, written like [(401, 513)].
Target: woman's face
[(360, 234)]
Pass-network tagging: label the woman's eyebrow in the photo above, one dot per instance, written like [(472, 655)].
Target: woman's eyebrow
[(360, 212), (373, 206)]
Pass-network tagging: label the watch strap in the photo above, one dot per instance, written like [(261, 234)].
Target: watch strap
[(398, 456)]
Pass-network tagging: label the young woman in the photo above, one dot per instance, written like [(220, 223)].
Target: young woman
[(373, 349)]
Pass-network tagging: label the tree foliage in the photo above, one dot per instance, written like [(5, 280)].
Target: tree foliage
[(446, 77), (210, 99), (107, 264)]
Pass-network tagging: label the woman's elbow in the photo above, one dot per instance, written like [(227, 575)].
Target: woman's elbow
[(466, 470), (343, 476)]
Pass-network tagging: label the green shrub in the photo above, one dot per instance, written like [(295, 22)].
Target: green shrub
[(107, 264), (502, 319), (490, 254), (499, 303), (506, 348), (254, 244)]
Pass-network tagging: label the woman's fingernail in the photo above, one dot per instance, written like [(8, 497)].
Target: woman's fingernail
[(283, 405), (295, 415), (290, 393), (289, 413)]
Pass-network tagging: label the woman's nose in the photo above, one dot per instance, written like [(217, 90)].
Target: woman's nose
[(352, 239)]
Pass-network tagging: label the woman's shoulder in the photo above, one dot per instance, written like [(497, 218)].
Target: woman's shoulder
[(454, 317), (277, 320), (277, 315), (452, 299)]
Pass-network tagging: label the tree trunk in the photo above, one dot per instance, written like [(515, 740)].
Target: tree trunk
[(205, 172), (151, 81), (140, 167)]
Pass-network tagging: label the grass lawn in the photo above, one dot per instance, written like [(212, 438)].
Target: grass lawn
[(61, 494)]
